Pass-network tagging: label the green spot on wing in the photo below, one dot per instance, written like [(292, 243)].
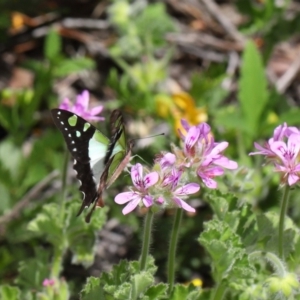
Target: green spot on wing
[(78, 133), (72, 120), (86, 126)]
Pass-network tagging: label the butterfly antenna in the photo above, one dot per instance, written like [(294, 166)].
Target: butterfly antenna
[(147, 137)]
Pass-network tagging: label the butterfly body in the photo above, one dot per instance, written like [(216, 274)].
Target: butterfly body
[(98, 160)]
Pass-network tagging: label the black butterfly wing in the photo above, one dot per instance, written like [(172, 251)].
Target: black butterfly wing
[(80, 136)]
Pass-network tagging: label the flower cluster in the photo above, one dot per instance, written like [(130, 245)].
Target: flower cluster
[(80, 107), (282, 150), (171, 181)]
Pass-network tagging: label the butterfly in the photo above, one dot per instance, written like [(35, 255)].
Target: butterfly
[(98, 161)]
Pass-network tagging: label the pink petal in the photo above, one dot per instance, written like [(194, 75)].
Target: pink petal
[(226, 163), (66, 104), (148, 200), (279, 148), (204, 129), (167, 160), (293, 144), (279, 132), (137, 175), (131, 206), (210, 183), (292, 179), (219, 148), (96, 110), (191, 138), (93, 118), (125, 197), (211, 171), (160, 200), (83, 99), (190, 188), (185, 124), (183, 205), (150, 179)]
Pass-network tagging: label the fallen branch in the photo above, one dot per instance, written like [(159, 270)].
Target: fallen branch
[(32, 193)]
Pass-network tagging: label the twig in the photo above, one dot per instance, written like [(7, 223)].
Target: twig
[(286, 79), (32, 193), (203, 39), (214, 10), (84, 23), (204, 54)]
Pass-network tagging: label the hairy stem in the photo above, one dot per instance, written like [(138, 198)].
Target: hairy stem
[(173, 247), (283, 210), (147, 239)]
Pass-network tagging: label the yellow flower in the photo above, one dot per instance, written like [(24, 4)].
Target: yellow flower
[(196, 282), (186, 109), (180, 106)]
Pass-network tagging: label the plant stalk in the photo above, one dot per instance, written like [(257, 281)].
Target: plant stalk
[(146, 240), (173, 247), (283, 210)]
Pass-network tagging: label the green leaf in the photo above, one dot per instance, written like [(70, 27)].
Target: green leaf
[(154, 23), (92, 290), (140, 283), (268, 232), (158, 291), (74, 65), (52, 47), (48, 225), (12, 165), (189, 292), (9, 292), (226, 249), (125, 281), (81, 236), (253, 93), (33, 271)]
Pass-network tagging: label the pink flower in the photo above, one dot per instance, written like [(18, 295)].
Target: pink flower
[(166, 160), (182, 192), (140, 190), (288, 155), (171, 190), (81, 107), (48, 282), (204, 155), (283, 151), (280, 133)]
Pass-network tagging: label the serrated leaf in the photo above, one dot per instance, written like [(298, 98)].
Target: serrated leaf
[(52, 47), (48, 224), (124, 282), (33, 271), (158, 291), (9, 292), (226, 249), (92, 290), (81, 236), (253, 93), (189, 292), (140, 283)]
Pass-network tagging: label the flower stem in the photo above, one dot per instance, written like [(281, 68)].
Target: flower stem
[(172, 249), (283, 209), (147, 239), (273, 259), (219, 291), (63, 186), (59, 248), (56, 262)]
